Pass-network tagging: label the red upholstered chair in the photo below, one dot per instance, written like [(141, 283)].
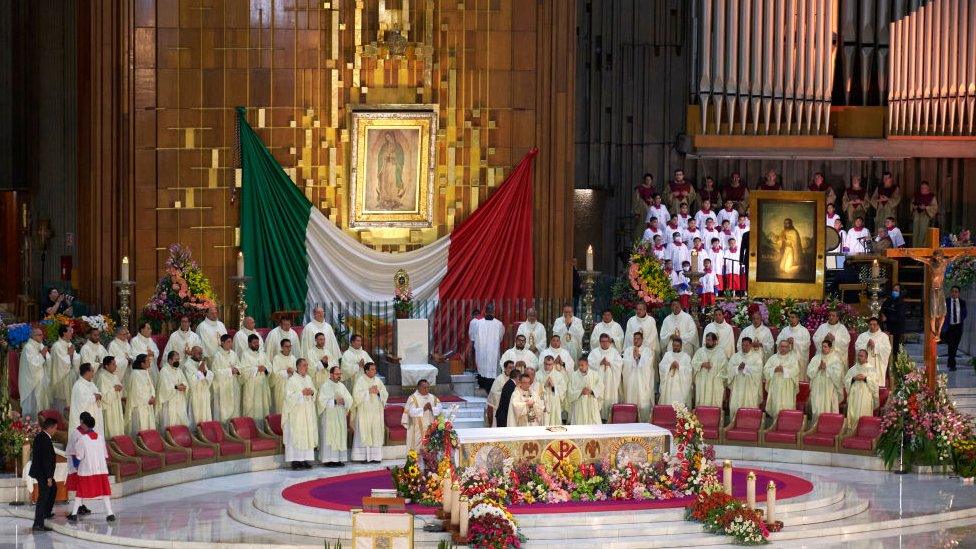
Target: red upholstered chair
[(663, 415), (711, 422), (122, 447), (61, 435), (173, 456), (623, 413), (883, 393), (230, 446), (785, 431), (864, 439), (272, 425), (260, 444), (744, 429), (396, 433), (803, 395), (123, 469), (200, 452), (825, 434)]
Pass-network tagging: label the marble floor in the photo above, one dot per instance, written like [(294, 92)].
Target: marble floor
[(195, 513)]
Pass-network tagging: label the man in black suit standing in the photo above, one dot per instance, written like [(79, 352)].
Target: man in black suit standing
[(955, 318), (893, 315), (42, 470)]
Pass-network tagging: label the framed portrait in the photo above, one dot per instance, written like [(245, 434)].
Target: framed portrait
[(392, 167), (786, 244)]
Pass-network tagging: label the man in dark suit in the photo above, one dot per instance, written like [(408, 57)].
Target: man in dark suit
[(893, 315), (42, 470), (952, 329)]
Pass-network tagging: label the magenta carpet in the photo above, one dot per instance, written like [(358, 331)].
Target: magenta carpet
[(346, 492)]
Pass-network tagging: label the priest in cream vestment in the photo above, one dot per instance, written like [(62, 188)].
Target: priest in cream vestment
[(647, 326), (200, 380), (723, 331), (527, 408), (553, 385), (182, 340), (311, 330), (675, 373), (334, 402), (256, 373), (299, 418), (782, 374), (282, 368), (110, 387), (569, 328), (93, 351), (826, 382), (353, 361), (761, 336), (837, 332), (143, 344), (585, 395), (244, 334), (121, 349), (878, 346), (210, 330), (369, 398), (283, 331), (607, 361), (534, 332), (563, 358), (140, 403), (638, 377), (679, 323), (34, 385), (745, 378), (708, 366), (321, 358), (64, 366), (227, 381), (861, 382), (799, 338), (85, 397), (172, 394), (421, 409), (519, 353), (609, 326)]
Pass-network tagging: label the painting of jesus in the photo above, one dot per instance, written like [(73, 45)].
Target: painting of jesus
[(786, 244)]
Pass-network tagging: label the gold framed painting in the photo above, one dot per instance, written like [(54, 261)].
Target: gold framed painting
[(393, 160), (786, 244)]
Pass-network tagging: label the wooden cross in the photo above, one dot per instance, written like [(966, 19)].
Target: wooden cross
[(935, 267)]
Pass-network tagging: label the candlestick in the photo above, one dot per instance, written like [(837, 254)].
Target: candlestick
[(125, 290), (589, 257), (446, 495), (241, 282), (589, 282), (727, 477), (125, 269), (771, 502), (875, 269), (463, 524), (456, 505), (240, 264), (751, 490)]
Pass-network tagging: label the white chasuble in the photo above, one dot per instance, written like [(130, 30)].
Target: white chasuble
[(684, 326), (140, 415), (609, 364), (35, 386), (761, 338), (226, 385), (282, 368), (878, 354), (63, 373), (801, 345), (570, 335), (299, 419), (272, 344), (83, 399), (334, 402), (745, 374), (535, 335), (209, 332), (368, 411), (200, 382), (675, 373), (613, 330), (708, 366), (256, 389), (826, 385), (584, 409), (862, 395), (181, 342), (313, 328), (553, 385), (725, 335), (841, 337), (416, 418), (171, 403), (781, 386), (647, 326), (110, 387), (638, 379)]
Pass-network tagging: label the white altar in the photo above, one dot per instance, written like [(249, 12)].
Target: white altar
[(412, 348), (621, 443)]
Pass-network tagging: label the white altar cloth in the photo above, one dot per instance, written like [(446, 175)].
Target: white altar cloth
[(578, 443)]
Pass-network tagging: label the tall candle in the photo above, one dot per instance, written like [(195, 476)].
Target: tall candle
[(446, 494), (771, 503), (589, 257), (751, 490), (240, 264), (464, 517), (125, 269), (875, 269), (456, 505), (694, 259), (727, 477)]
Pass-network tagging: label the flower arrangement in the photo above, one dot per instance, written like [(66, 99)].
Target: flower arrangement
[(776, 312), (645, 281), (491, 525), (14, 335), (413, 483), (403, 302), (81, 326), (182, 291), (919, 419), (721, 513), (962, 271), (15, 432), (964, 457), (439, 441)]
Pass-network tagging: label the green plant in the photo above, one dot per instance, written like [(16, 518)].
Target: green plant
[(445, 544), (338, 545)]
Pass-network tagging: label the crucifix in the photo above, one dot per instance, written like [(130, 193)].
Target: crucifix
[(936, 259)]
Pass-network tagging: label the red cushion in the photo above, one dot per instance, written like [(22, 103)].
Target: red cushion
[(803, 395), (623, 413), (125, 445), (198, 452), (663, 416), (245, 427), (127, 468), (260, 444), (274, 423), (150, 463), (180, 435), (882, 396), (816, 439), (710, 418), (829, 424), (229, 448), (212, 431), (392, 414), (172, 456), (789, 421), (781, 437), (748, 418), (397, 433), (855, 442), (747, 435), (869, 427), (150, 439)]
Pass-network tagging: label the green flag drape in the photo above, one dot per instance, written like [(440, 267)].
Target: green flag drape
[(274, 218)]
